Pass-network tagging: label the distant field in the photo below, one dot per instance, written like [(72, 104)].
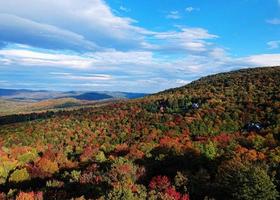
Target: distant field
[(10, 107), (13, 101)]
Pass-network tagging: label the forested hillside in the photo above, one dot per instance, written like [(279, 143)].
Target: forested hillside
[(216, 138)]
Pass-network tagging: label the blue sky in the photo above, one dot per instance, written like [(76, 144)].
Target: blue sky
[(129, 45)]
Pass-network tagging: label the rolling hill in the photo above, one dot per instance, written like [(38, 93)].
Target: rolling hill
[(40, 95), (15, 107), (215, 138), (28, 101)]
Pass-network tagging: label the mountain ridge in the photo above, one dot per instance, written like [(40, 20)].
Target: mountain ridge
[(39, 95)]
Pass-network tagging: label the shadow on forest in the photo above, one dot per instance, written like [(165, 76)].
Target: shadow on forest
[(198, 168), (10, 119), (68, 191), (163, 161)]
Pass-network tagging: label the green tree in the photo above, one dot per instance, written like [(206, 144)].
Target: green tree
[(240, 182)]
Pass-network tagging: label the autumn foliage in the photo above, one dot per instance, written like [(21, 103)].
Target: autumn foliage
[(194, 142)]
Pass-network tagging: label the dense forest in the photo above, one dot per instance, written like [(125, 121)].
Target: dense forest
[(216, 138)]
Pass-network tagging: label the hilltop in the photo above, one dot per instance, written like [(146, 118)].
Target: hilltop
[(204, 140), (16, 101), (41, 95)]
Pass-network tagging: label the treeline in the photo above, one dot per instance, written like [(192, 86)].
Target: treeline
[(8, 119)]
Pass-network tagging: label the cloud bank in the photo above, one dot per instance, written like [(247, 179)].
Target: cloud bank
[(86, 45)]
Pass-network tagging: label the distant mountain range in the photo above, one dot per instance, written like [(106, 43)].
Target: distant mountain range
[(40, 95)]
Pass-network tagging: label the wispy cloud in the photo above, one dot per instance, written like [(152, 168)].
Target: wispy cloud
[(145, 74), (191, 9), (88, 77), (274, 44), (106, 59), (85, 45), (124, 9), (182, 82), (186, 39), (34, 58), (262, 60), (173, 15), (95, 16), (24, 31), (60, 73), (274, 21)]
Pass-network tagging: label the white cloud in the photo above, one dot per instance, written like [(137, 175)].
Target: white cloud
[(140, 72), (88, 25), (92, 20), (274, 21), (274, 44), (186, 39), (80, 61), (173, 15), (262, 60), (187, 34), (88, 86), (182, 82), (189, 9), (122, 8), (112, 49), (33, 58), (89, 77), (60, 73), (218, 53), (42, 35), (118, 57)]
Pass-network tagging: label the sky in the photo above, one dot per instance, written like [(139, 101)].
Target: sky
[(130, 45)]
